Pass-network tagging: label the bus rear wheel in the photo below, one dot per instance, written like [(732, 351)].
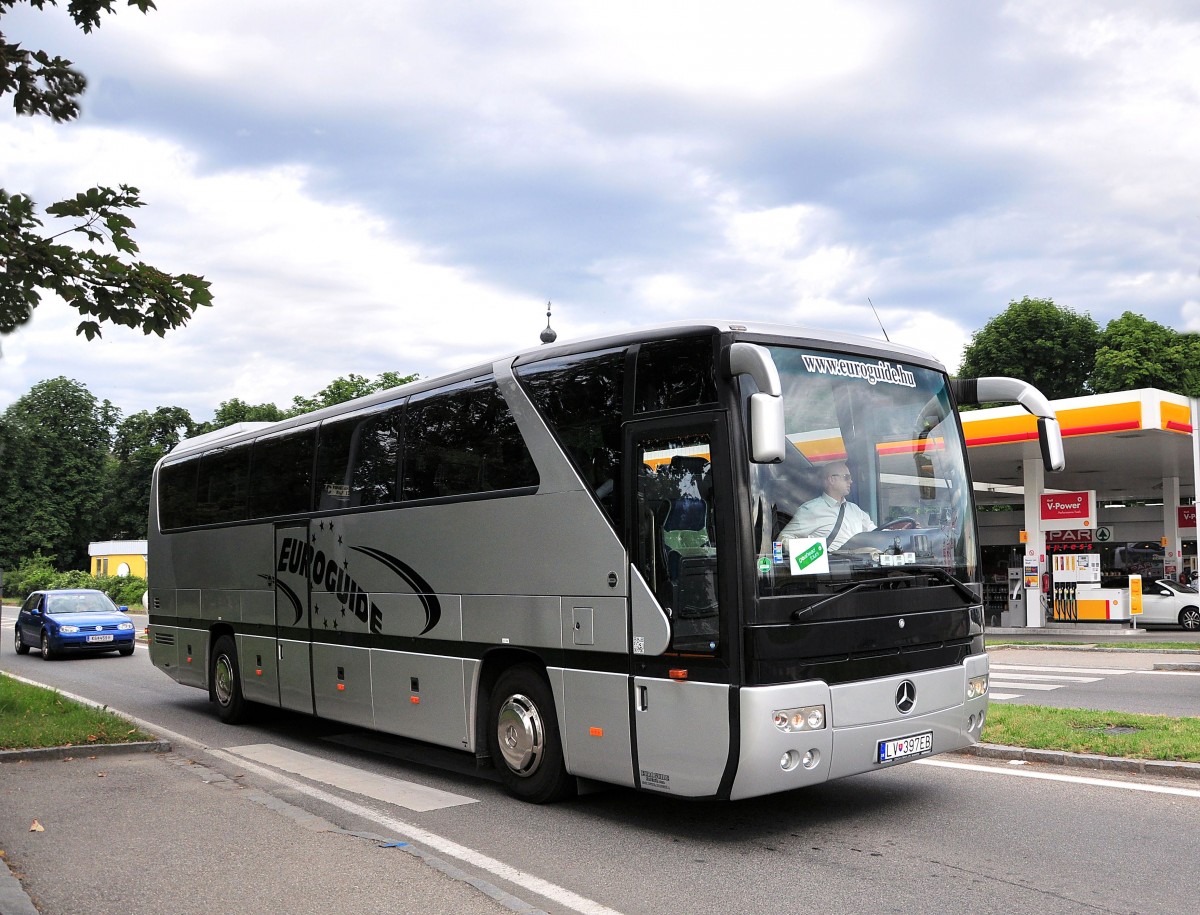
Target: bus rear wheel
[(523, 737), (226, 679)]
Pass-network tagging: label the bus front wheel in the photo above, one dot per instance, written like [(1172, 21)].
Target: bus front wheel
[(523, 737), (226, 678)]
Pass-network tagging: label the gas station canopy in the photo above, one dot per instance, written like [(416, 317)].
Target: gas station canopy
[(1121, 445)]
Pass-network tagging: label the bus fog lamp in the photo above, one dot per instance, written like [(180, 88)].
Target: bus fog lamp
[(789, 761), (976, 687), (811, 758), (808, 718)]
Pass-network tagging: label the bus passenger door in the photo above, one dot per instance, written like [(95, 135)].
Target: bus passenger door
[(293, 625), (677, 523)]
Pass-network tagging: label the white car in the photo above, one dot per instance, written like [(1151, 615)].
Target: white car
[(1168, 603)]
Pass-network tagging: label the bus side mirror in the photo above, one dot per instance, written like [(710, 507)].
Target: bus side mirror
[(1054, 455), (1011, 390), (767, 440)]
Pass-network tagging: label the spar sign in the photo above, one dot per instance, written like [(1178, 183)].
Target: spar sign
[(1069, 511)]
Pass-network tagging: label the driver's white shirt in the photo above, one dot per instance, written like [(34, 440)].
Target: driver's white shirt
[(816, 518)]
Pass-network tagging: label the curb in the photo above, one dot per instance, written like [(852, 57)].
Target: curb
[(100, 749), (1156, 768)]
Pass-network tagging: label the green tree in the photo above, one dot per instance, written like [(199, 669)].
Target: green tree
[(238, 411), (139, 442), (1037, 341), (104, 286), (55, 448), (1136, 352), (347, 388)]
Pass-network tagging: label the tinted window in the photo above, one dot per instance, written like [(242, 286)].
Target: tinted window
[(358, 461), (581, 399), (463, 441), (177, 494), (221, 486), (675, 373), (281, 474)]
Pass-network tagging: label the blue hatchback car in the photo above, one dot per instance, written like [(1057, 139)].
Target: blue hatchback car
[(55, 622)]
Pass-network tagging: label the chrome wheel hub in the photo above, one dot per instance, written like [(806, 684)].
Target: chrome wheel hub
[(521, 735)]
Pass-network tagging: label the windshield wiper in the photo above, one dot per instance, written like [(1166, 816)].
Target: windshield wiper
[(964, 589), (895, 575)]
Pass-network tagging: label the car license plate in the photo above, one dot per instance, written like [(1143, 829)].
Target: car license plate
[(901, 747), (99, 638)]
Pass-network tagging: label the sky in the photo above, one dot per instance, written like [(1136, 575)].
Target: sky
[(403, 186)]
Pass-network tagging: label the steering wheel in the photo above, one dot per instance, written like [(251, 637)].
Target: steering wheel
[(904, 523)]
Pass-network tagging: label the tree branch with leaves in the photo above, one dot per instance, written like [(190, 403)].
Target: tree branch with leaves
[(98, 275)]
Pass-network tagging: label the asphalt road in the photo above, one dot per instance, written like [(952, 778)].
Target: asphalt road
[(947, 834)]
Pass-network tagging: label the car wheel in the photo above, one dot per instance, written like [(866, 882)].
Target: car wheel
[(126, 652), (19, 643), (47, 651), (226, 679), (523, 737), (1189, 618)]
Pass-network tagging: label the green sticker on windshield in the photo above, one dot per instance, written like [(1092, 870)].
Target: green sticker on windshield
[(807, 556)]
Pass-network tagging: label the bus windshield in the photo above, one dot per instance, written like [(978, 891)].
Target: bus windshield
[(875, 483)]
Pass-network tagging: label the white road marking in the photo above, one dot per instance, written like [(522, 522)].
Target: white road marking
[(1021, 684), (1023, 676), (1072, 779), (1004, 695), (399, 828), (419, 798), (1105, 671)]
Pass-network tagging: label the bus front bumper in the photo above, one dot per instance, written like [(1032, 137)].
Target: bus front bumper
[(867, 726)]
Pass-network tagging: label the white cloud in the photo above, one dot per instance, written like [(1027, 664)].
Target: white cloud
[(402, 186)]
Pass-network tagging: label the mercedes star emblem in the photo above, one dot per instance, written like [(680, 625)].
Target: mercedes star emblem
[(906, 697)]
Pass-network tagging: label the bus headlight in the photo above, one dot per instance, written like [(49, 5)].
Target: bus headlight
[(808, 718), (976, 687)]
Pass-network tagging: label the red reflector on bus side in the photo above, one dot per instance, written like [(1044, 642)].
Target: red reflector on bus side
[(677, 674), (342, 686), (596, 732), (415, 700)]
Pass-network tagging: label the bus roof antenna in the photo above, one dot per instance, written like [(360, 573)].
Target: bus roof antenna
[(548, 335), (881, 327)]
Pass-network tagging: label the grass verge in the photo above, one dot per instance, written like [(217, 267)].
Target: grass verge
[(1101, 733), (1141, 646), (32, 717)]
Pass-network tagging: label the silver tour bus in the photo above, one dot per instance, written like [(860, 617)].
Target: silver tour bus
[(602, 561)]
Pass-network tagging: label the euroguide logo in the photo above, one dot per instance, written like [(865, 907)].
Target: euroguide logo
[(310, 563)]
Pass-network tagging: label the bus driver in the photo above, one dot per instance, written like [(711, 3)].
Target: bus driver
[(830, 515)]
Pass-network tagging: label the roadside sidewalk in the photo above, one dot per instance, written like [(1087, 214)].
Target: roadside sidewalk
[(147, 833)]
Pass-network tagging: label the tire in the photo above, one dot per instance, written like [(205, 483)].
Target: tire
[(523, 737), (19, 643), (125, 652), (48, 653), (225, 675), (1189, 618)]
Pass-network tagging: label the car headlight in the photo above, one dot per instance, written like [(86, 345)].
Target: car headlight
[(976, 687), (809, 718), (68, 628), (125, 625)]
